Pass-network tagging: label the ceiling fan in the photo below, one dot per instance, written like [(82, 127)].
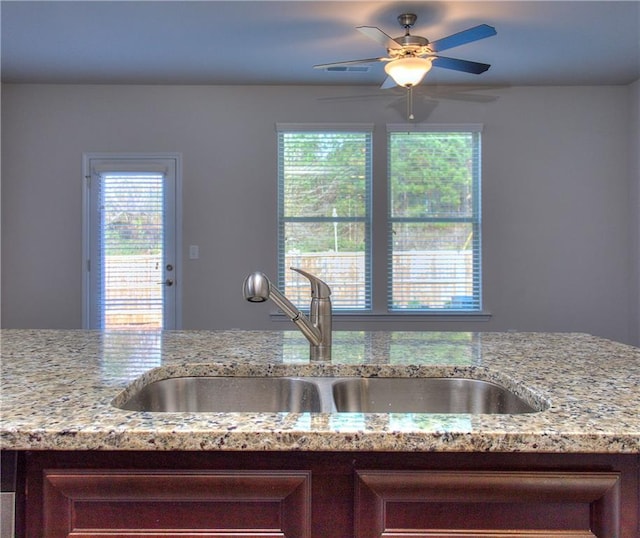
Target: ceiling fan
[(410, 57)]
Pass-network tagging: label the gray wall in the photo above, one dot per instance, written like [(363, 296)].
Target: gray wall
[(634, 199), (560, 195)]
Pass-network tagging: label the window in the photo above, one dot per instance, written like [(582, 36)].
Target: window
[(434, 219), (429, 238), (324, 212)]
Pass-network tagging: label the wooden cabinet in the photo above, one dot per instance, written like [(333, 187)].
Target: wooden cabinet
[(128, 504), (399, 504), (330, 495)]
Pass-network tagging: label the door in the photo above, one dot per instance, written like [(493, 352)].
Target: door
[(131, 242)]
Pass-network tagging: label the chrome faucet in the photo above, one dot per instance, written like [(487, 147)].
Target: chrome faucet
[(258, 288)]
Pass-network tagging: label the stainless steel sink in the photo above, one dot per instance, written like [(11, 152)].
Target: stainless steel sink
[(226, 395), (324, 395), (425, 395)]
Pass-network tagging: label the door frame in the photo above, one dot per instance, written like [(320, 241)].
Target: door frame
[(86, 220)]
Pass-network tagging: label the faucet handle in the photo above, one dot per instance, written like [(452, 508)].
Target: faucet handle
[(319, 289)]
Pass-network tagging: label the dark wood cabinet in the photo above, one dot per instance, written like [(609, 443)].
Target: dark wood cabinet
[(498, 503), (330, 495), (92, 504)]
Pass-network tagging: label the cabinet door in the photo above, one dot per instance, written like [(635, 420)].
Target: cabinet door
[(220, 504), (456, 504)]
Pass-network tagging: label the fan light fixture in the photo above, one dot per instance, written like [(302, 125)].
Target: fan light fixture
[(409, 71)]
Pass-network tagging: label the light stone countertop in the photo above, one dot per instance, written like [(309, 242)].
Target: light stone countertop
[(58, 385)]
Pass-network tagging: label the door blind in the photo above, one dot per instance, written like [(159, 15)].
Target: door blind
[(129, 250)]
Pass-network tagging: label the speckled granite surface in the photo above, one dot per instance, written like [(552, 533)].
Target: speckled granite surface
[(57, 389)]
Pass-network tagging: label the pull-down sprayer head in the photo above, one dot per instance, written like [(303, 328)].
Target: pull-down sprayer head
[(256, 287)]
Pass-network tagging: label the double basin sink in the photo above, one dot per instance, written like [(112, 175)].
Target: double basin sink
[(325, 395)]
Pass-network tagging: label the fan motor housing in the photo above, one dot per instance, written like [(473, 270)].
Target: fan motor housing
[(412, 41), (407, 20)]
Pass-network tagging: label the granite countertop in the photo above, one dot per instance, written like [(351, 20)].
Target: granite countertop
[(58, 385)]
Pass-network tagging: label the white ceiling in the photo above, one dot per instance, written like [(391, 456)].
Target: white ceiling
[(278, 42)]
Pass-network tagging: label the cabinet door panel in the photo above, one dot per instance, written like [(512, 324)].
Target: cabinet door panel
[(469, 503), (194, 503), (474, 515), (141, 514), (176, 534)]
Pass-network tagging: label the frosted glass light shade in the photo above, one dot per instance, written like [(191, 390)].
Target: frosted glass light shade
[(408, 71)]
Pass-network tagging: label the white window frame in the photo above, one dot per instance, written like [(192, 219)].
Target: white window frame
[(380, 221), (475, 220), (285, 128)]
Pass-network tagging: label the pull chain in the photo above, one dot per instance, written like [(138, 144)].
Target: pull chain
[(410, 102)]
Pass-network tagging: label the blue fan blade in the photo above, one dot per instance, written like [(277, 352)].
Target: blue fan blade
[(461, 38), (388, 83), (460, 65)]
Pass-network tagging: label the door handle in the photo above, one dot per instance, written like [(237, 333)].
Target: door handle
[(168, 282)]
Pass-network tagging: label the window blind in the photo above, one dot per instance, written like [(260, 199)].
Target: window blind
[(128, 258), (434, 233), (324, 216)]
